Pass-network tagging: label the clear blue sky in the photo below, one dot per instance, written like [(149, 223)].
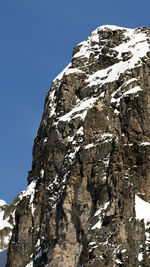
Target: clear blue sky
[(36, 42)]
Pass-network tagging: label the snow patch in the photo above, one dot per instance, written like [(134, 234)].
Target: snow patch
[(119, 261), (128, 92), (2, 203), (142, 209), (101, 212), (145, 144), (80, 108), (133, 90), (30, 264), (89, 146), (138, 47), (140, 256), (7, 238), (45, 139), (72, 70), (30, 192), (104, 207), (92, 243), (52, 103), (4, 222)]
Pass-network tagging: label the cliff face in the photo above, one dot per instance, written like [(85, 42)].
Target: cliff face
[(88, 198)]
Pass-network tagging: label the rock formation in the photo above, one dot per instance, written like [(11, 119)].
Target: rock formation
[(88, 199)]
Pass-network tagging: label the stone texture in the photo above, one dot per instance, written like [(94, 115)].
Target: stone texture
[(90, 159)]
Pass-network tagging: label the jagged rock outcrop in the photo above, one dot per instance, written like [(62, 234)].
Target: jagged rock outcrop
[(88, 198), (6, 225), (7, 221)]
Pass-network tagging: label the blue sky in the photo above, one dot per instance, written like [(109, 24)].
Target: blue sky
[(36, 42)]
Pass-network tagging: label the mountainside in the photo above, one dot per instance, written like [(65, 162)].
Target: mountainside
[(88, 199)]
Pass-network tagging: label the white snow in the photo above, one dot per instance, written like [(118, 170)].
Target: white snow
[(145, 144), (92, 243), (66, 71), (107, 136), (97, 225), (135, 42), (79, 108), (103, 207), (38, 243), (118, 261), (138, 47), (2, 202), (30, 192), (70, 138), (130, 81), (4, 222), (99, 212), (30, 264), (142, 209), (89, 146), (72, 154), (133, 90), (128, 92), (123, 250), (7, 238), (72, 70), (80, 131), (93, 248), (140, 256), (45, 139), (84, 49), (52, 104)]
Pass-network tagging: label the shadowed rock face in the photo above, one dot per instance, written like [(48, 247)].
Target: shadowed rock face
[(87, 203)]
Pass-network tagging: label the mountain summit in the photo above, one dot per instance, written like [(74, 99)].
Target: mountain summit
[(88, 199)]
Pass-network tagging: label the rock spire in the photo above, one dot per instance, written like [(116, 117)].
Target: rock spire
[(88, 199)]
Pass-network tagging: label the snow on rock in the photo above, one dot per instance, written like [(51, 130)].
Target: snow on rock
[(140, 256), (52, 101), (30, 264), (133, 90), (4, 222), (101, 212), (128, 92), (89, 146), (66, 71), (2, 202), (145, 144), (30, 192), (142, 209), (137, 45), (80, 108), (72, 70)]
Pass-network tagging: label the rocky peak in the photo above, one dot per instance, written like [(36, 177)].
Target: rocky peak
[(88, 198)]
